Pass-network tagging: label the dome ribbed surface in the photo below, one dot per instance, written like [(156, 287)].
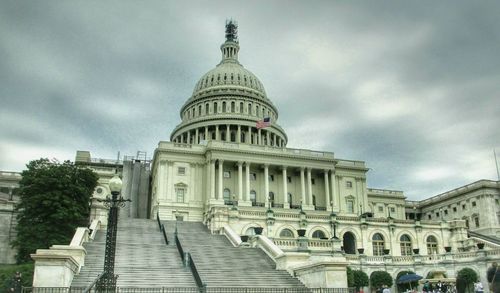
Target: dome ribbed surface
[(229, 75)]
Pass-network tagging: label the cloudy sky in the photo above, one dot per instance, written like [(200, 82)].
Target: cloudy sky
[(412, 88)]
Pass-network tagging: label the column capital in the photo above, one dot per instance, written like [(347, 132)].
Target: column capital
[(284, 167), (248, 164), (239, 163)]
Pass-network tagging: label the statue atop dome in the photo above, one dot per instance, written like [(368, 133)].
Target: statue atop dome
[(231, 31)]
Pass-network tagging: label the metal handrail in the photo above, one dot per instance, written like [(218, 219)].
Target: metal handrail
[(91, 285), (196, 275), (179, 247), (162, 227)]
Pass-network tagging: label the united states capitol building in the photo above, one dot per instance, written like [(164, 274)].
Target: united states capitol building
[(227, 167)]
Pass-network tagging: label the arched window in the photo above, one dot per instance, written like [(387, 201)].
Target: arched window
[(223, 107), (233, 109), (378, 244), (206, 109), (241, 107), (227, 194), (215, 108), (253, 197), (199, 110), (286, 233), (405, 243), (318, 234), (432, 245), (271, 197), (257, 110), (349, 242), (250, 231), (242, 137), (233, 136)]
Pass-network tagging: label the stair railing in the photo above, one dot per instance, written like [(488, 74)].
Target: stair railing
[(187, 260), (162, 227), (202, 286), (93, 284)]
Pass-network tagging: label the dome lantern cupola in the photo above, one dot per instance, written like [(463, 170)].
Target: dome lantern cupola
[(227, 102), (230, 48)]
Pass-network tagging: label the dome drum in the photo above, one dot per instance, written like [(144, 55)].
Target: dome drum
[(229, 132)]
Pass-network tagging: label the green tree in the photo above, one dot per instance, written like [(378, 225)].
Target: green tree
[(350, 277), (360, 279), (468, 276), (406, 286), (54, 200), (379, 278)]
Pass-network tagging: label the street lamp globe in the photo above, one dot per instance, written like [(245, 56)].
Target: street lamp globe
[(115, 184)]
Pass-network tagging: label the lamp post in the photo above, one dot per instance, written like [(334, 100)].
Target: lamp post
[(108, 280)]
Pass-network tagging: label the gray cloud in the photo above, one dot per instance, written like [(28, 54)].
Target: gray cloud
[(409, 87)]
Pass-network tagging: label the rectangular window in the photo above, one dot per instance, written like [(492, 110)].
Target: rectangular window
[(393, 210), (454, 209), (289, 179), (350, 206), (253, 176), (429, 217), (180, 194), (473, 203), (181, 171), (348, 184), (463, 207), (227, 174), (437, 215), (380, 209), (445, 212), (271, 177), (312, 181), (476, 221)]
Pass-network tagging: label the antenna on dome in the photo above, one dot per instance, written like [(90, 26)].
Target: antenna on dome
[(231, 30)]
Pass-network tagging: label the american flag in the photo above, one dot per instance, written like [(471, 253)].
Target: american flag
[(266, 122)]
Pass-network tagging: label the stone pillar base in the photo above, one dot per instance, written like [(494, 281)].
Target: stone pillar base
[(329, 273), (244, 203), (53, 269), (308, 207)]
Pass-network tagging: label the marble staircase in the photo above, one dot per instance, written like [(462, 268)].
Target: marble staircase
[(142, 258)]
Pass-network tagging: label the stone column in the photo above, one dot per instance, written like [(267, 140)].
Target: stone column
[(169, 180), (302, 187), (335, 198), (212, 179), (266, 183), (228, 133), (286, 204), (221, 168), (309, 187), (238, 139), (206, 133), (247, 181), (268, 138), (240, 181), (249, 136), (189, 137), (327, 190), (197, 136), (259, 137), (217, 134)]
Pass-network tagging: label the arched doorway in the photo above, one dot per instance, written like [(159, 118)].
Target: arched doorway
[(349, 243)]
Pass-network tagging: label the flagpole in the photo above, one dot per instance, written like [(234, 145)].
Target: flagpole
[(496, 164)]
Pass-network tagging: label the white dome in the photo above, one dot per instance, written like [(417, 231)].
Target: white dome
[(229, 75)]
